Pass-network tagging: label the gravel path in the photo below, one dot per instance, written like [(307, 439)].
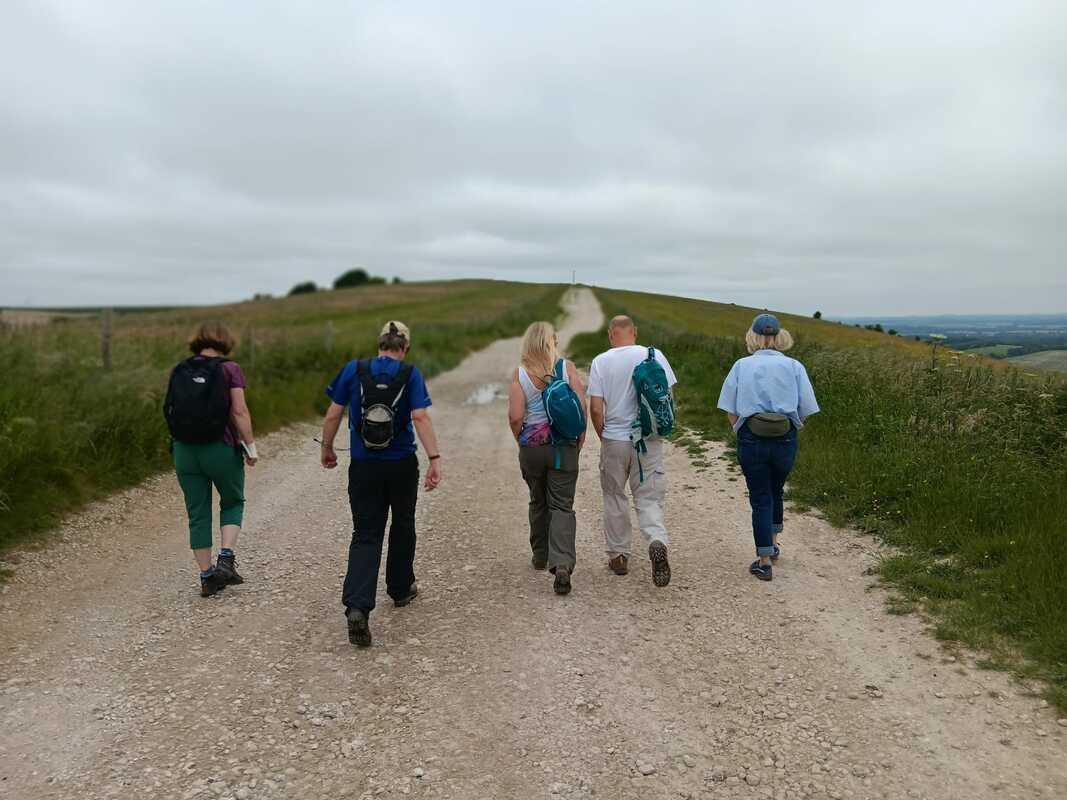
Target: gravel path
[(118, 680)]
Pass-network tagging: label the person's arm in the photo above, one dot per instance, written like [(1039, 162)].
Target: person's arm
[(728, 396), (334, 414), (806, 402), (575, 380), (596, 413), (732, 418), (424, 428), (516, 405), (242, 421)]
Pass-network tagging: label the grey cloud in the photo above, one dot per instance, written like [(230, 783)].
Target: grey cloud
[(861, 159)]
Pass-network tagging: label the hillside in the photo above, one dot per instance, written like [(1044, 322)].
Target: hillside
[(937, 455), (1055, 360), (72, 431)]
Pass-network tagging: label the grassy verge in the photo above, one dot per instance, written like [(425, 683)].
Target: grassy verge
[(71, 432), (961, 466)]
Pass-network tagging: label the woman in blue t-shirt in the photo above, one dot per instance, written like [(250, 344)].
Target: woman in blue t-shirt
[(767, 396)]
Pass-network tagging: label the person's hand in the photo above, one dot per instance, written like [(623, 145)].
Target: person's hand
[(251, 462), (433, 475), (328, 457), (581, 440)]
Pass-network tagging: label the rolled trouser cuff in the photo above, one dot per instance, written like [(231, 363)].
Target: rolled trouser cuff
[(765, 551)]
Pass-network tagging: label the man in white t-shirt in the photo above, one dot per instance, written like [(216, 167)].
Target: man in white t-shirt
[(613, 409)]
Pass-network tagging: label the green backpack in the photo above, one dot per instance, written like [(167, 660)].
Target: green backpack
[(655, 405)]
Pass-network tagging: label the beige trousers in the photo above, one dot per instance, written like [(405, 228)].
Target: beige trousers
[(619, 467)]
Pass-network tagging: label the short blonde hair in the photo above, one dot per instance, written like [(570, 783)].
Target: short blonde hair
[(781, 341), (212, 334), (539, 350)]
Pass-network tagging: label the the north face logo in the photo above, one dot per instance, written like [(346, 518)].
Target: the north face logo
[(199, 379)]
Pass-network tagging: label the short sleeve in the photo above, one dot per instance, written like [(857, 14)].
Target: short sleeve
[(235, 376), (662, 359), (340, 388), (806, 405), (728, 395), (596, 383), (417, 391)]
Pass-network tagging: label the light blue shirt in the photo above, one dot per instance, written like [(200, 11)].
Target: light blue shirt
[(770, 382)]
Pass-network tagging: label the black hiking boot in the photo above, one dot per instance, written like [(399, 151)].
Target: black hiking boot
[(227, 567), (762, 571), (562, 584), (413, 592), (212, 583), (661, 568), (358, 628)]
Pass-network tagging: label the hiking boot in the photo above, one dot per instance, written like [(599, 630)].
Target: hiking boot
[(413, 592), (212, 584), (539, 563), (358, 628), (562, 584), (620, 565), (226, 566), (661, 568), (761, 571)]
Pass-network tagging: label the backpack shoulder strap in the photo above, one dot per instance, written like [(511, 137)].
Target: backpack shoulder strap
[(399, 384), (652, 354), (561, 367)]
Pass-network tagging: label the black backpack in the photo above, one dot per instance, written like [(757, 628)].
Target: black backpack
[(197, 408), (377, 424)]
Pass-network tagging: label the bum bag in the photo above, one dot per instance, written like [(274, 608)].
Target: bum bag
[(769, 426)]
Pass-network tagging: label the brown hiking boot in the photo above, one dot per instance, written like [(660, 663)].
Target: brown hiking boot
[(661, 568), (619, 565)]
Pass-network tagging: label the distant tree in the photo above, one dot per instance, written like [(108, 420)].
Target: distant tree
[(397, 279), (258, 296), (307, 287), (375, 280), (917, 338), (354, 277), (892, 332), (817, 315)]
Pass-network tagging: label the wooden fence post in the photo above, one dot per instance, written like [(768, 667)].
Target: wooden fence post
[(105, 338)]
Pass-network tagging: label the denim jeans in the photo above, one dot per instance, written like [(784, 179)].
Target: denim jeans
[(766, 464), (376, 487)]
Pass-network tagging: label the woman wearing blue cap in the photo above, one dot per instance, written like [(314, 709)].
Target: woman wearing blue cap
[(767, 397)]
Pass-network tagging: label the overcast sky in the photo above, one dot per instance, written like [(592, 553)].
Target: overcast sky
[(858, 158)]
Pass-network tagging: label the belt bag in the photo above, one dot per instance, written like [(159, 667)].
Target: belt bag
[(769, 426)]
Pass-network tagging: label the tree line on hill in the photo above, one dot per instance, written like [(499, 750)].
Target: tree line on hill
[(351, 279)]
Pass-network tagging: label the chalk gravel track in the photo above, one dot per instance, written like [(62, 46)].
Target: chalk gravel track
[(118, 680)]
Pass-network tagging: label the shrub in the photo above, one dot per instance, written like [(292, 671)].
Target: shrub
[(307, 287)]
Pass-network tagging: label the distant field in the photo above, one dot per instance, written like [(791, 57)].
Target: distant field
[(996, 350), (1055, 360), (71, 432), (958, 461)]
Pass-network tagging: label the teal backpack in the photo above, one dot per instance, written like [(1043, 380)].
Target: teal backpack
[(654, 403), (566, 417)]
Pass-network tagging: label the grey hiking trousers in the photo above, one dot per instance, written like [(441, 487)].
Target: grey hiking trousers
[(552, 521), (619, 468)]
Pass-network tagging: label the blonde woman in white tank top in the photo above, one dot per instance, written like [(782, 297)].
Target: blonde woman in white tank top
[(552, 521)]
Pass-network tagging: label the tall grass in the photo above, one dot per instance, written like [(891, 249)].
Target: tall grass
[(961, 466), (70, 432)]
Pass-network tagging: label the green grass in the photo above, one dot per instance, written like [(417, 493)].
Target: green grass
[(959, 464), (71, 433)]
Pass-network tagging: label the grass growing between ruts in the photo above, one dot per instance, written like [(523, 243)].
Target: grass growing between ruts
[(959, 465), (71, 432)]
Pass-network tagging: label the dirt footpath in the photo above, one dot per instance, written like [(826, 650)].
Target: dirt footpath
[(118, 680)]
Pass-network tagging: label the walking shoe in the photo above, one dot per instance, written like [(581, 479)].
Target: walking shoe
[(226, 566), (562, 584), (413, 592), (212, 583), (661, 568), (761, 571), (358, 628), (777, 553), (539, 563), (619, 565)]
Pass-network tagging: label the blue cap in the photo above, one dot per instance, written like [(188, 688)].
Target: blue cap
[(766, 325)]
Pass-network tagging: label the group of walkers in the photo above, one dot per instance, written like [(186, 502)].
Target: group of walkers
[(630, 402)]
